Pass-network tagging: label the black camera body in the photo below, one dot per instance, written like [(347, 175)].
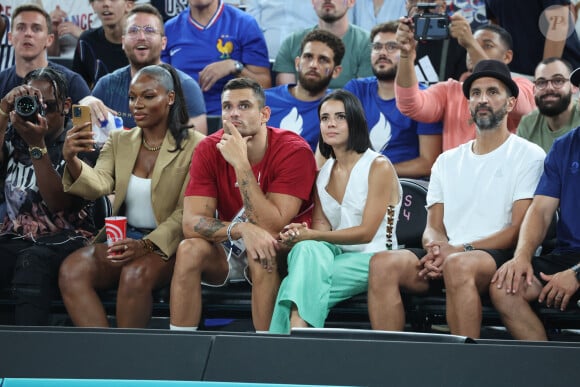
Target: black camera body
[(28, 107), (430, 26)]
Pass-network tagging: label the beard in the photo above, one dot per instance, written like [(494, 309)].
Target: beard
[(140, 62), (314, 86), (491, 121), (385, 75), (331, 18), (555, 108)]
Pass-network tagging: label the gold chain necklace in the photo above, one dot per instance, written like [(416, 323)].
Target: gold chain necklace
[(149, 147)]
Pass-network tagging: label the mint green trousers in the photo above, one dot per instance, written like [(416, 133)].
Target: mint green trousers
[(320, 275)]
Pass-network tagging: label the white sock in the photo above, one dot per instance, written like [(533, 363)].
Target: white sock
[(187, 329)]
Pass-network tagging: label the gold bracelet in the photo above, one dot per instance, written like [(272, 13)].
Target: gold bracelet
[(148, 245), (152, 247)]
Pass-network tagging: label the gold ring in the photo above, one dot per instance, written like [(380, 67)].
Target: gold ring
[(126, 247)]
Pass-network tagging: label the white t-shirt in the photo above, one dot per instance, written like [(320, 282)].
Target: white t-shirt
[(478, 191)]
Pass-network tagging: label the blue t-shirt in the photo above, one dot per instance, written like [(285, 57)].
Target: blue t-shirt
[(230, 34), (113, 90), (292, 114), (392, 133), (561, 180), (77, 87)]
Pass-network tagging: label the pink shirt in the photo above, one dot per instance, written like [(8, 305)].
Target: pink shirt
[(444, 101)]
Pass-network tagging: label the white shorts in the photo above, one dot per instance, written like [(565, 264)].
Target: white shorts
[(237, 272)]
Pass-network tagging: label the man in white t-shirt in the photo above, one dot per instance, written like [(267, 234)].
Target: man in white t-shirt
[(478, 195)]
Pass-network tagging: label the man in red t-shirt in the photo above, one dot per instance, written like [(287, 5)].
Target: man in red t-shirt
[(258, 179)]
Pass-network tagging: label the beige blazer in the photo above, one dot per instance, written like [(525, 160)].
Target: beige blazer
[(168, 181)]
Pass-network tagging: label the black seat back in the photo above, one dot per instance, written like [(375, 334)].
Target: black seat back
[(102, 209), (413, 215), (214, 123)]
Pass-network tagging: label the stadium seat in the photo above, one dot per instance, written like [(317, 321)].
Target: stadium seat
[(214, 123), (413, 215)]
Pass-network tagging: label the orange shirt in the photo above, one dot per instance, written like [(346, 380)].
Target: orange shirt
[(444, 101)]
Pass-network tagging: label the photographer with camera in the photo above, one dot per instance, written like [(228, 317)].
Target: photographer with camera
[(43, 224), (444, 101)]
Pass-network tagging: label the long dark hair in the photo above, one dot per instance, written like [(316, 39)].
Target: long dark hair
[(358, 132), (178, 118)]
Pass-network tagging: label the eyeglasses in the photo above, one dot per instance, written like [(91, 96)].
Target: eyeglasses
[(51, 106), (148, 31), (389, 46), (557, 83)]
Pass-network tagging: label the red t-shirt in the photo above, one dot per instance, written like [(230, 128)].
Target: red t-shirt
[(288, 167)]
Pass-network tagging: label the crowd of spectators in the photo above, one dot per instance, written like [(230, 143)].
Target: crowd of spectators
[(338, 86)]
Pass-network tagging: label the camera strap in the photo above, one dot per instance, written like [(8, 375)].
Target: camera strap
[(443, 61)]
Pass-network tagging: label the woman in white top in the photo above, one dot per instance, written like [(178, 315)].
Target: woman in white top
[(147, 168), (356, 207)]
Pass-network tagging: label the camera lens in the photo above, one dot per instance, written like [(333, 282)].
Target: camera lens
[(27, 107)]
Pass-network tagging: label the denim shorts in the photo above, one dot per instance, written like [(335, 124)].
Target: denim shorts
[(137, 233)]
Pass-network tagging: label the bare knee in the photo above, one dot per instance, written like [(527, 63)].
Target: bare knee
[(505, 302), (473, 270), (137, 278), (76, 269), (259, 275), (379, 269), (499, 297), (458, 270), (190, 256), (389, 267)]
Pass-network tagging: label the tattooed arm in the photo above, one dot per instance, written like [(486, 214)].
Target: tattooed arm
[(199, 219), (267, 210), (270, 211), (199, 222)]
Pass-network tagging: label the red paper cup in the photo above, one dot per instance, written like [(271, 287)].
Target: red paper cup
[(116, 227)]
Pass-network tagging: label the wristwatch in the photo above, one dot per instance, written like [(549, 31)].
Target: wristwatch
[(576, 269), (239, 66), (467, 247), (36, 152)]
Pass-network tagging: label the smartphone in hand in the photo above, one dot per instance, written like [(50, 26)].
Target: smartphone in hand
[(80, 115)]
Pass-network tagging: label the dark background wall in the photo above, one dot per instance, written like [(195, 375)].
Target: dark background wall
[(332, 358)]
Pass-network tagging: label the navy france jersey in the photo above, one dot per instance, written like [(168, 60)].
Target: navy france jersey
[(392, 133)]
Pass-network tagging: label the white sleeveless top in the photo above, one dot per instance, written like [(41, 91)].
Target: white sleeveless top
[(349, 213), (139, 210)]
